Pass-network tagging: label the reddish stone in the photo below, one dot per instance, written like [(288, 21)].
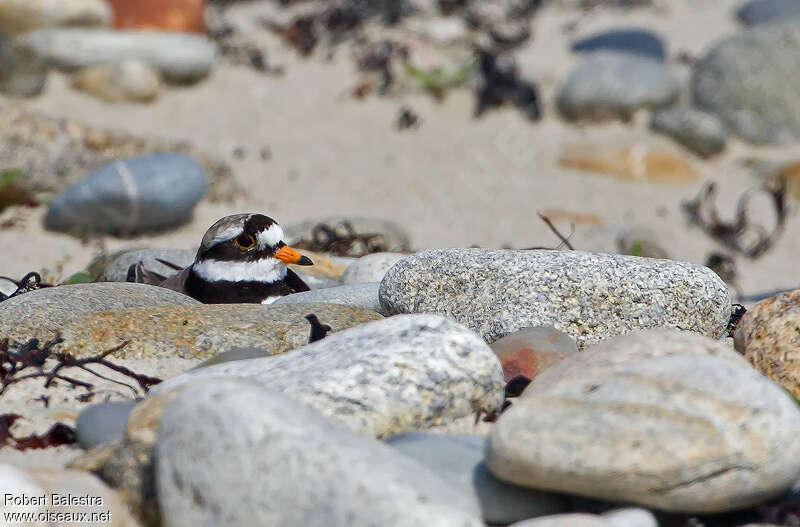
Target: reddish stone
[(168, 15), (530, 351)]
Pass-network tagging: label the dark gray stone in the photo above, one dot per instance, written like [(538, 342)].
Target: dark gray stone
[(179, 57), (749, 80), (46, 312), (382, 378), (364, 296), (762, 11), (627, 40), (589, 296), (127, 197), (459, 460), (615, 85), (269, 460), (702, 132), (102, 423)]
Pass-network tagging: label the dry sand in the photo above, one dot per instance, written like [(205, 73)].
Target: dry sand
[(455, 181)]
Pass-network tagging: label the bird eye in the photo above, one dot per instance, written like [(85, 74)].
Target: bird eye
[(244, 242)]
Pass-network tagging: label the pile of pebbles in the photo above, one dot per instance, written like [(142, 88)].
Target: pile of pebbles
[(639, 409)]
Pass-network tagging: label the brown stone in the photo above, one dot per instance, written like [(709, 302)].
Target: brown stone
[(530, 351), (769, 337), (170, 15), (634, 163), (202, 331)]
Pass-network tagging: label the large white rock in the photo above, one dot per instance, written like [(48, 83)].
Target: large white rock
[(381, 378), (662, 418), (232, 453)]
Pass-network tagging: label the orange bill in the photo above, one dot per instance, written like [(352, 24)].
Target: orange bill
[(288, 255)]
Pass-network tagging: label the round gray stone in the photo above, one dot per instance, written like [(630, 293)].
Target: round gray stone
[(459, 460), (135, 195), (45, 312), (702, 132), (382, 378), (589, 296), (615, 85), (269, 460), (749, 81), (370, 268), (364, 296), (20, 75), (701, 430), (102, 423), (632, 40), (180, 57), (117, 270)]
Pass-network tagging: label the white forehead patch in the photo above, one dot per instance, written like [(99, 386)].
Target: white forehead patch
[(266, 270), (270, 237)]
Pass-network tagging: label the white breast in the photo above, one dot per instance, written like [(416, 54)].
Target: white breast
[(266, 270)]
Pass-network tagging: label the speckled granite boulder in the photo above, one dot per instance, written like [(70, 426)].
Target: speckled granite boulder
[(131, 196), (769, 337), (45, 312), (589, 296), (615, 85), (701, 430), (270, 460), (202, 331), (702, 132), (382, 378), (364, 296), (749, 79)]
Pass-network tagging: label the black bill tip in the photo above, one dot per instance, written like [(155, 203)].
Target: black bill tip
[(305, 260)]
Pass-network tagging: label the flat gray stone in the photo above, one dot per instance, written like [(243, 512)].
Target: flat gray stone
[(381, 378), (389, 236), (102, 423), (615, 85), (370, 268), (203, 331), (179, 57), (589, 296), (701, 430), (234, 355), (269, 460), (702, 132), (130, 196), (459, 460), (45, 312), (632, 40), (749, 81), (364, 296)]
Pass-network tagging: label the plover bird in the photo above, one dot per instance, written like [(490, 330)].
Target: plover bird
[(242, 259)]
